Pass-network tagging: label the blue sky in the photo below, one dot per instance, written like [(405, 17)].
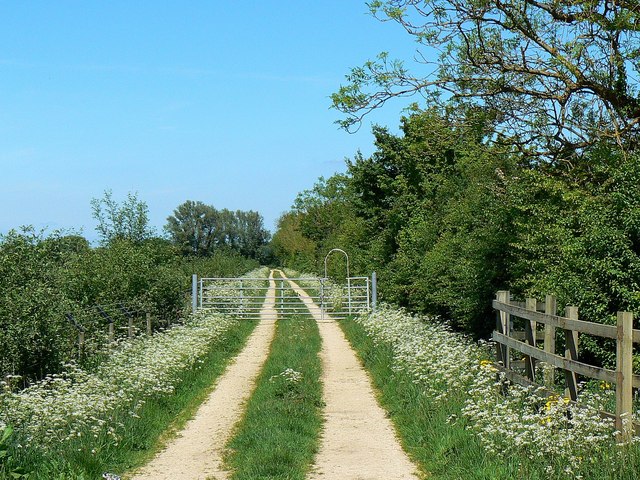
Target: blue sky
[(222, 102)]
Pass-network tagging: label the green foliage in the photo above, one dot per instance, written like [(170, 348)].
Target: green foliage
[(199, 229), (126, 221), (291, 246), (34, 336), (446, 219), (123, 272), (414, 212), (579, 240), (192, 227), (321, 219), (43, 278), (431, 241), (6, 470), (220, 264)]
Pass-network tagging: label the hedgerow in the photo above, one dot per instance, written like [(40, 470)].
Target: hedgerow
[(45, 277)]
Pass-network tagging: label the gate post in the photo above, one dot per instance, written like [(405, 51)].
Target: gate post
[(322, 304), (241, 312), (374, 291), (503, 323), (194, 292)]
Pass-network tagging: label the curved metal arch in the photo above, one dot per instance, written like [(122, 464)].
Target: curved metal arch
[(327, 256)]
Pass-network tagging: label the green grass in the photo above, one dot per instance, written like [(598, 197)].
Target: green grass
[(447, 450), (159, 419), (278, 436), (441, 450)]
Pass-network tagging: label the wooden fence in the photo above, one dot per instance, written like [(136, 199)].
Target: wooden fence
[(545, 313), (132, 317)]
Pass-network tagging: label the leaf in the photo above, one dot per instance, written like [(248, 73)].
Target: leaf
[(6, 434)]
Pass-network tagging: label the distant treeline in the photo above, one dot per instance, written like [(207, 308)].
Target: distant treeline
[(447, 217)]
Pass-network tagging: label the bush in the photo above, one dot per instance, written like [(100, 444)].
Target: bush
[(34, 335), (43, 278)]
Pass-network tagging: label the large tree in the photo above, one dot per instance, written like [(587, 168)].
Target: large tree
[(253, 234), (291, 246), (194, 227), (199, 229), (560, 75)]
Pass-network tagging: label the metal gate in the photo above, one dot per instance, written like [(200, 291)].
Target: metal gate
[(244, 297)]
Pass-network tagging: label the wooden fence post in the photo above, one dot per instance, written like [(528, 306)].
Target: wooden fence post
[(571, 352), (550, 308), (502, 326), (148, 324), (241, 306), (194, 293), (374, 291), (530, 337), (624, 377), (109, 321), (81, 331), (128, 314)]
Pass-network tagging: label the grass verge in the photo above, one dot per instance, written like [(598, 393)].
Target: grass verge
[(445, 451), (278, 436), (426, 374), (157, 420)]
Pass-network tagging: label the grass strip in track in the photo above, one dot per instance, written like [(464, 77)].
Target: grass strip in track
[(158, 420), (279, 434), (444, 450)]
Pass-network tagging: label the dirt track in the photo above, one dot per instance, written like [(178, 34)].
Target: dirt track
[(358, 440), (196, 454)]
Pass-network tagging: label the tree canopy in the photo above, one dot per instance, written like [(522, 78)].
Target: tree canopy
[(558, 75), (200, 229), (447, 218), (128, 220)]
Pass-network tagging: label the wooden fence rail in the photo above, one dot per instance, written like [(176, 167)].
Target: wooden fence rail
[(569, 361), (131, 327)]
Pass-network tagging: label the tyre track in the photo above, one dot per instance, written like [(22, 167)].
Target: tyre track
[(358, 441), (196, 453)]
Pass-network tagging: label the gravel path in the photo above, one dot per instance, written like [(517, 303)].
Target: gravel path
[(196, 454), (358, 441)]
